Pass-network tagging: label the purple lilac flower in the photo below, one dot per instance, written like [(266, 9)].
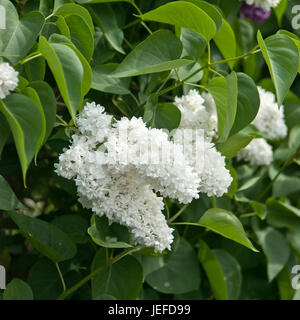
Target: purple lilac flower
[(257, 15)]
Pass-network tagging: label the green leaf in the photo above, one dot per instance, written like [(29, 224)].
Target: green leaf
[(18, 289), (122, 280), (224, 92), (25, 121), (67, 70), (184, 14), (284, 284), (81, 35), (159, 52), (259, 208), (45, 237), (279, 10), (74, 225), (210, 10), (103, 81), (234, 144), (275, 248), (36, 68), (32, 94), (282, 58), (228, 46), (295, 39), (294, 140), (166, 115), (44, 280), (282, 214), (87, 70), (223, 272), (193, 44), (74, 9), (284, 184), (105, 18), (150, 108), (8, 199), (173, 277), (101, 1), (247, 103), (18, 39), (4, 132), (103, 234), (225, 223), (48, 102)]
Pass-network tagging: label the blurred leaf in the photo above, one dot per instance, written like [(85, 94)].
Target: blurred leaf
[(122, 280), (44, 280), (275, 248), (223, 272), (45, 237), (8, 199), (173, 277), (18, 289)]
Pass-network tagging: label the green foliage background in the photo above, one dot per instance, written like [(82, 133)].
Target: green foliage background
[(134, 57)]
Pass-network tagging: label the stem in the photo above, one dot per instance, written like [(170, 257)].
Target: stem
[(246, 215), (93, 274), (176, 215), (30, 57), (65, 124), (235, 58), (177, 75), (208, 52), (61, 277), (140, 13), (164, 82), (146, 27), (213, 202), (286, 164), (216, 72), (196, 85), (181, 82), (135, 99), (167, 209)]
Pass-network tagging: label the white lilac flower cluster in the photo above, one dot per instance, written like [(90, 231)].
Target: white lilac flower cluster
[(199, 113), (113, 176), (257, 152), (264, 4), (269, 121), (8, 79)]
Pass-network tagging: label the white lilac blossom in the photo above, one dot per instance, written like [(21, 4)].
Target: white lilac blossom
[(126, 199), (154, 157), (264, 4), (270, 119), (257, 152), (197, 113), (8, 79), (206, 161), (122, 188)]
